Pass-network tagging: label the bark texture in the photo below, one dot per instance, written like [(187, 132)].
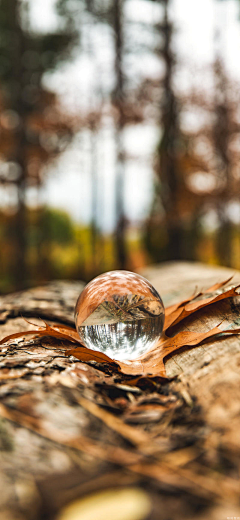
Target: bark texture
[(69, 428)]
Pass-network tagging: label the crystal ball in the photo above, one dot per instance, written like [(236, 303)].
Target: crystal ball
[(120, 314)]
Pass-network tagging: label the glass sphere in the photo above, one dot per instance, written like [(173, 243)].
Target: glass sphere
[(120, 314)]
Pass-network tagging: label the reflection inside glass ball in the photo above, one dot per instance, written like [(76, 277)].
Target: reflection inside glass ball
[(120, 314)]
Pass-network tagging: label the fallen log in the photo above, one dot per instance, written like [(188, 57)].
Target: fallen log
[(71, 429)]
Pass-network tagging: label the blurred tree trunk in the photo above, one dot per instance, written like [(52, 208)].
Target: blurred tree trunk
[(27, 142), (118, 101), (94, 185), (17, 94), (222, 135), (168, 167)]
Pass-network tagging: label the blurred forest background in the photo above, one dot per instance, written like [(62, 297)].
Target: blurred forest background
[(117, 148)]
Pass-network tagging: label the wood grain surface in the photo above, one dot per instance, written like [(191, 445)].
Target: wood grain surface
[(69, 429)]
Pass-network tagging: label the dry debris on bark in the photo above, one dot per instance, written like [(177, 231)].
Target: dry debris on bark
[(69, 427)]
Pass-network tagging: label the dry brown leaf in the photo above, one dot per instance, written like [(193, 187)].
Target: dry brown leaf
[(86, 354), (39, 331), (190, 307), (150, 364), (218, 285), (169, 311)]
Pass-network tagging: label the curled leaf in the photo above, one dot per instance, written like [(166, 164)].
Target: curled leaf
[(171, 310), (45, 330), (86, 354), (66, 333), (152, 363), (190, 307)]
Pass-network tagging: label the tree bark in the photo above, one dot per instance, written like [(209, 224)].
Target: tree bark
[(69, 428)]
